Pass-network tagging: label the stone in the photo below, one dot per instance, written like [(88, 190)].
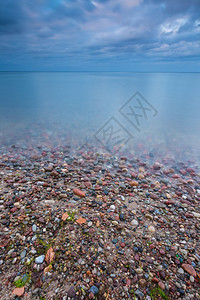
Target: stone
[(151, 229), (189, 269), (180, 271), (23, 254), (139, 294), (161, 285), (139, 271), (71, 292), (39, 259), (133, 183), (134, 223), (41, 220), (153, 196), (196, 215), (142, 282), (94, 290), (121, 217), (18, 291), (78, 192), (112, 208), (34, 228), (191, 278)]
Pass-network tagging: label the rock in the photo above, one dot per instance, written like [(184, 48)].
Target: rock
[(181, 291), (191, 278), (142, 282), (139, 294), (189, 269), (54, 174), (18, 291), (161, 285), (180, 271), (196, 215), (148, 216), (41, 220), (153, 196), (112, 208), (34, 228), (134, 223), (151, 229), (115, 223), (188, 215), (139, 271), (133, 183), (78, 192), (39, 259), (71, 292), (23, 254), (94, 290), (121, 217)]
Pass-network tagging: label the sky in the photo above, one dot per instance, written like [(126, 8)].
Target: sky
[(100, 35)]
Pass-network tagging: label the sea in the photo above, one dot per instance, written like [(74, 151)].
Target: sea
[(115, 112)]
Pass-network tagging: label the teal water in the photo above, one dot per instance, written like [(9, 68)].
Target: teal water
[(78, 104)]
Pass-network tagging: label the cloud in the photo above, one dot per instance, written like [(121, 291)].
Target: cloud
[(99, 30), (11, 17)]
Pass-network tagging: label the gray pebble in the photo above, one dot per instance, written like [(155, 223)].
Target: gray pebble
[(39, 259)]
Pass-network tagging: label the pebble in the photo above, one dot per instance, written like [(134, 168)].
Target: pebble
[(34, 228), (112, 208), (196, 215), (115, 223), (139, 294), (151, 229), (130, 236), (191, 278), (139, 271), (161, 285), (134, 223), (78, 192), (39, 259), (71, 292), (180, 271), (23, 254), (94, 290), (189, 269)]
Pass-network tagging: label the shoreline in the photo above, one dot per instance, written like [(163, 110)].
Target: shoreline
[(132, 232)]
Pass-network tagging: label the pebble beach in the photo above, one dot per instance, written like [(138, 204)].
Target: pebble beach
[(87, 224)]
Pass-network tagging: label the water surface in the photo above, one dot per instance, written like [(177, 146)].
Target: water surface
[(73, 106)]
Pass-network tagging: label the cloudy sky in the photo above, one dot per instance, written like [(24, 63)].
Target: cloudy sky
[(100, 35)]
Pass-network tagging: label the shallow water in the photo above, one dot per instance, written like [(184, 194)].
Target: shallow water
[(76, 106)]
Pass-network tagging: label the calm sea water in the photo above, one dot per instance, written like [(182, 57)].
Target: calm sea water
[(78, 105)]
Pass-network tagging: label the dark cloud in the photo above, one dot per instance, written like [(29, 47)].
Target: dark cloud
[(76, 30), (178, 6), (11, 17)]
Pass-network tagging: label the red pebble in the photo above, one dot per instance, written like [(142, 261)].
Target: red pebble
[(13, 209), (155, 280), (78, 192)]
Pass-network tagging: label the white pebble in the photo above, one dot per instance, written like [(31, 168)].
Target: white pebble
[(191, 278), (134, 223), (39, 259), (112, 208), (34, 228)]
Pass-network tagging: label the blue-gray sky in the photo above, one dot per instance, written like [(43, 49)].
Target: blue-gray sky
[(100, 35)]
